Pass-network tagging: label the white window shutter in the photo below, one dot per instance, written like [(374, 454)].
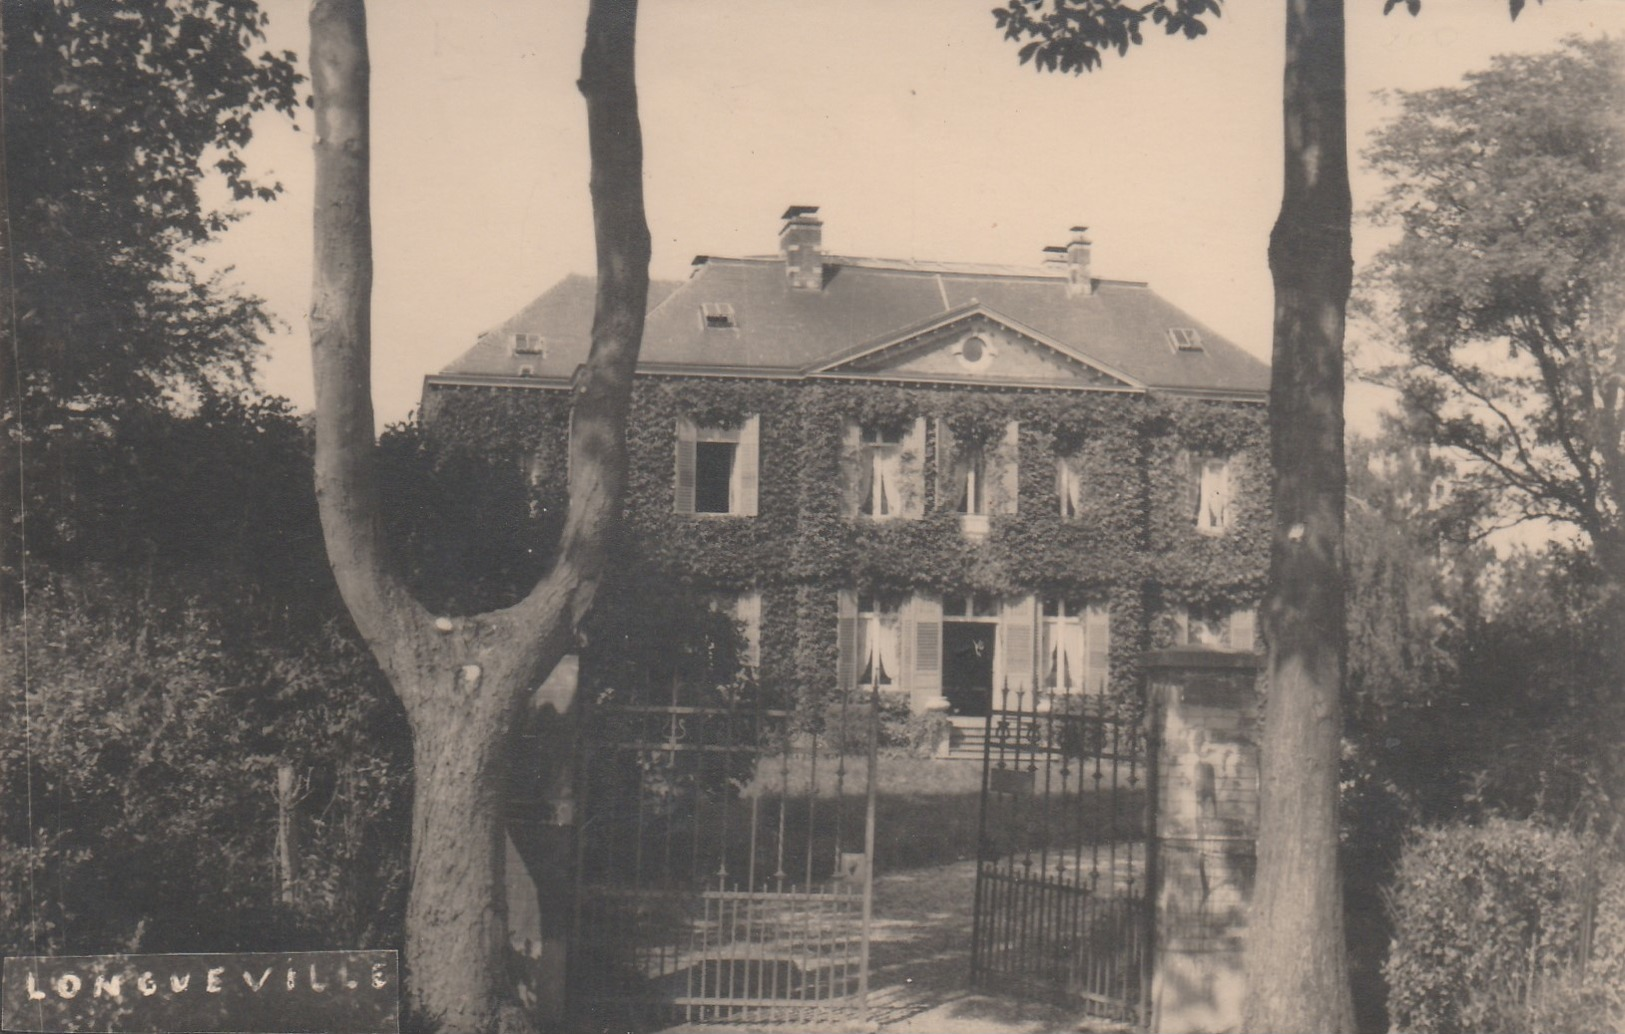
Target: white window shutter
[(1188, 475), (1097, 628), (911, 465), (1008, 493), (747, 466), (846, 640), (1017, 626), (1243, 629), (687, 434), (905, 646), (948, 488), (854, 469), (926, 648)]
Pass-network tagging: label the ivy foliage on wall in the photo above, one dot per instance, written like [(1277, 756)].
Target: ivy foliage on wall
[(1133, 541)]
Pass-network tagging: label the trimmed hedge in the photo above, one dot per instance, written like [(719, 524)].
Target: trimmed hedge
[(1489, 924)]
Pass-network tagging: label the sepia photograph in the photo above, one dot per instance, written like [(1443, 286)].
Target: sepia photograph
[(907, 516)]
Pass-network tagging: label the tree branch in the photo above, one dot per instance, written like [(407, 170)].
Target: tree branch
[(341, 336), (603, 386)]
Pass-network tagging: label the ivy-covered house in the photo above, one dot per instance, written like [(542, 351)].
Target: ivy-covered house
[(938, 477)]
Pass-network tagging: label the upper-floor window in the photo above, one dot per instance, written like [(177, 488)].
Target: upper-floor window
[(1069, 486), (882, 472), (882, 467), (529, 344), (976, 479), (1209, 491), (967, 481), (1075, 646), (717, 468)]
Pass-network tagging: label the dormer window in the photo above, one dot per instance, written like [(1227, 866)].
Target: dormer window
[(529, 344), (1185, 339), (718, 316)]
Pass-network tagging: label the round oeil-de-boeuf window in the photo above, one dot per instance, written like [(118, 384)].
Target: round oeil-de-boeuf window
[(975, 352)]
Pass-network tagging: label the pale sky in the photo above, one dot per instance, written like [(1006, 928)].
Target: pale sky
[(908, 121)]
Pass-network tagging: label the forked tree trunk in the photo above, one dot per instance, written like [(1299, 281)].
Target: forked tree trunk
[(464, 681), (1296, 966)]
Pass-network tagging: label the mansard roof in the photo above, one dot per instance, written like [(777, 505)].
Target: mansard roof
[(741, 317)]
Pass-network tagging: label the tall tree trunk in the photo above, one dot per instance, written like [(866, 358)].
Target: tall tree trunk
[(1296, 956), (464, 681)]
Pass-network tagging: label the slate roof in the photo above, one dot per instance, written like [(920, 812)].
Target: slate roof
[(782, 332)]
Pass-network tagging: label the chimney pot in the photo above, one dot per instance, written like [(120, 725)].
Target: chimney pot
[(801, 242), (1079, 278)]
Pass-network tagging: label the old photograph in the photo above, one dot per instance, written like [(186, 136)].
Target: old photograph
[(913, 516)]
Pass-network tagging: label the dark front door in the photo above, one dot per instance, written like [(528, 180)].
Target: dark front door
[(967, 666)]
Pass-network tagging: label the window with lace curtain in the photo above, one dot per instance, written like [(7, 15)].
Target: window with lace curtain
[(1212, 477), (1068, 486), (1074, 647), (879, 640), (880, 466)]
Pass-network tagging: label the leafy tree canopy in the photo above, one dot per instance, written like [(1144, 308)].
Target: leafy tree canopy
[(115, 114), (1504, 292)]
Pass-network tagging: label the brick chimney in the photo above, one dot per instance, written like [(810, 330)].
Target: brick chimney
[(1079, 280), (801, 242)]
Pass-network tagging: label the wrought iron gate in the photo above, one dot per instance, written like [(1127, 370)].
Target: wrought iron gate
[(1062, 909), (724, 870)]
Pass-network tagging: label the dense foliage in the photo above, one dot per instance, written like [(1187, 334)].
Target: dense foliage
[(187, 647), (1478, 686), (1133, 543), (115, 115), (1497, 923), (1503, 293)]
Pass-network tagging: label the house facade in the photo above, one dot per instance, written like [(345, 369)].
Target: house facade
[(942, 479)]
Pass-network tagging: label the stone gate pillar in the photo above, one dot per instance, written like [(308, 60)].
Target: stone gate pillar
[(1203, 707)]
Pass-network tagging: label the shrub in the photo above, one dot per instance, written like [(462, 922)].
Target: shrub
[(1488, 925), (901, 730), (139, 768)]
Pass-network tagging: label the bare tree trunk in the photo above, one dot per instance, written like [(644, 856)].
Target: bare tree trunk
[(464, 681), (1296, 955), (287, 834)]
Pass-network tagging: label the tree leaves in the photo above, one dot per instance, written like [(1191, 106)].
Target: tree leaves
[(1503, 293), (1073, 35), (112, 112)]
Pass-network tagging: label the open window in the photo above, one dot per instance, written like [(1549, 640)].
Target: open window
[(1069, 486), (976, 480), (717, 468), (1075, 647), (1209, 491), (882, 469), (879, 641)]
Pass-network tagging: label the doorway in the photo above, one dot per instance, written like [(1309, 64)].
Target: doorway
[(967, 666)]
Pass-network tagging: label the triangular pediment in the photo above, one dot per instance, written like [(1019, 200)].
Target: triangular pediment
[(975, 345)]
